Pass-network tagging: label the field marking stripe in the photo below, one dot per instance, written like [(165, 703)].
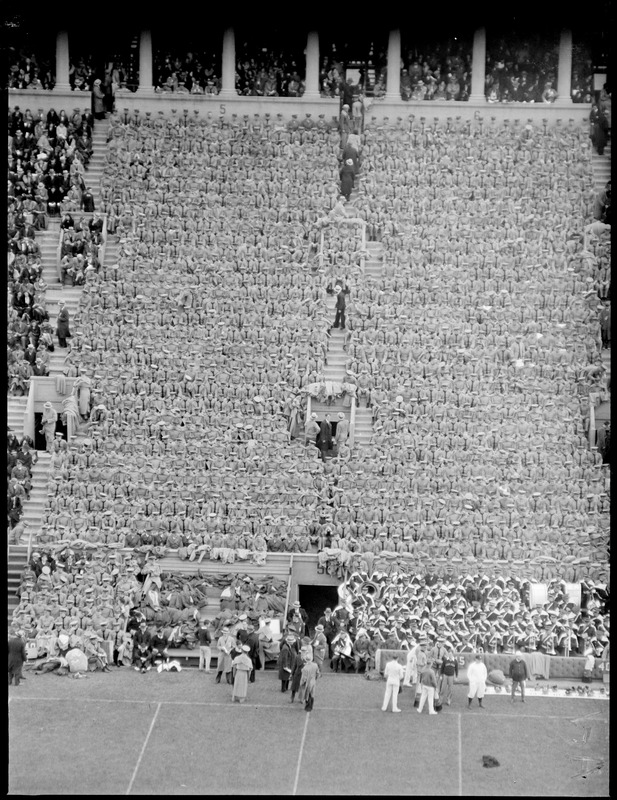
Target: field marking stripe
[(460, 758), (295, 789), (143, 749), (229, 704)]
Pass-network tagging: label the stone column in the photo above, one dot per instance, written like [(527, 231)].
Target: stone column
[(145, 63), (478, 66), (564, 70), (62, 62), (228, 90), (312, 66), (393, 90)]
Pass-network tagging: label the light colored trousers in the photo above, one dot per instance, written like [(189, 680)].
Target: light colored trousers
[(391, 692)]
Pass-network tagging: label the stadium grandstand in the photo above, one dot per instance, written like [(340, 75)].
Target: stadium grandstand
[(307, 321)]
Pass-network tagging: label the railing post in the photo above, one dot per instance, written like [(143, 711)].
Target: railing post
[(59, 255), (291, 564)]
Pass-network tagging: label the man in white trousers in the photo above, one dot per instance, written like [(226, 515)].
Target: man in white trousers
[(476, 674), (428, 682), (393, 673)]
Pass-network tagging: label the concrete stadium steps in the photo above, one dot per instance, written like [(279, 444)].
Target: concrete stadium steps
[(112, 250), (363, 426), (48, 242), (71, 296), (15, 410), (373, 266), (601, 167), (334, 370), (34, 507), (16, 562), (96, 165)]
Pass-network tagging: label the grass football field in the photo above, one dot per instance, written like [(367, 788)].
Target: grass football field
[(173, 733)]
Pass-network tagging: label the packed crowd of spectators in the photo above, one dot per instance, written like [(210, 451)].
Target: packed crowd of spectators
[(193, 71), (478, 611), (80, 247), (526, 71), (46, 165), (30, 70), (20, 458), (518, 345), (98, 597), (270, 72)]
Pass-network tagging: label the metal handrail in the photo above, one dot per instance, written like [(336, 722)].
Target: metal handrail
[(59, 255), (291, 562), (29, 551)]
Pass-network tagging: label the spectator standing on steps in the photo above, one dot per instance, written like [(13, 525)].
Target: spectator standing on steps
[(345, 125), (598, 128), (339, 319), (348, 176), (342, 430), (98, 100), (311, 429), (62, 324), (87, 200), (393, 673), (48, 425), (518, 674)]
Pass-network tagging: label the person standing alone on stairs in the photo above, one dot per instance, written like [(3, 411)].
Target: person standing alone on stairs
[(339, 319), (347, 175)]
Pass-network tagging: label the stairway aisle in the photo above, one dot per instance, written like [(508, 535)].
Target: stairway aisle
[(15, 566), (34, 507), (601, 166), (48, 241), (96, 166), (15, 410)]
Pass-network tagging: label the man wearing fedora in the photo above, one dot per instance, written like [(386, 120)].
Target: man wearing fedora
[(287, 660), (298, 618), (62, 324)]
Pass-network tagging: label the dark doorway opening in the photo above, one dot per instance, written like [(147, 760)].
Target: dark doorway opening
[(39, 438), (315, 599)]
